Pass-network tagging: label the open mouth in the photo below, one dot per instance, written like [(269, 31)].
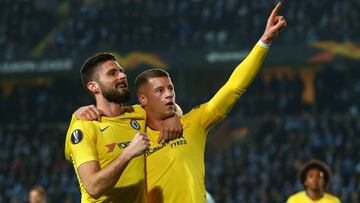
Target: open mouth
[(122, 84), (169, 104)]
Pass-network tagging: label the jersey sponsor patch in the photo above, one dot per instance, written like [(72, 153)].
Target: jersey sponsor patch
[(76, 136), (135, 124)]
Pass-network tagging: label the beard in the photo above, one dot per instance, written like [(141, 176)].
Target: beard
[(114, 96)]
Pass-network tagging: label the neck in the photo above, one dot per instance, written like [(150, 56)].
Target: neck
[(153, 123), (108, 108), (153, 119), (314, 194)]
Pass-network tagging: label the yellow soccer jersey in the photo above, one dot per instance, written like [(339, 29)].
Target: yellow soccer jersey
[(103, 142), (301, 197), (175, 169)]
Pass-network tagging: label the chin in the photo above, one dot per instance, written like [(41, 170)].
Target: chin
[(122, 91), (169, 114)]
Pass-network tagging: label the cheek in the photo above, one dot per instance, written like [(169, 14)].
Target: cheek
[(156, 98), (308, 181), (152, 100)]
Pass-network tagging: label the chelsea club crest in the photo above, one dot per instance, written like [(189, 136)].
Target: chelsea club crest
[(135, 124)]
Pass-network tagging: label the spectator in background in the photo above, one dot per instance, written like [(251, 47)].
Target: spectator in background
[(37, 194), (315, 176)]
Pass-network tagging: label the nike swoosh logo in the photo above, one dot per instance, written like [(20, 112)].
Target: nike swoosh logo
[(102, 130)]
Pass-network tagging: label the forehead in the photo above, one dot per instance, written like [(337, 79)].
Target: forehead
[(159, 81), (110, 64), (315, 171), (34, 192)]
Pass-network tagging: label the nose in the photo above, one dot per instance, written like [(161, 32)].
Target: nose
[(122, 75), (170, 94)]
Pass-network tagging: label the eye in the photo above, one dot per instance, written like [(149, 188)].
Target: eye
[(112, 72), (159, 90)]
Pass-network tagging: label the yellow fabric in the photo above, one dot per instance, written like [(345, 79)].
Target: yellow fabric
[(175, 170), (103, 142), (301, 197), (239, 80)]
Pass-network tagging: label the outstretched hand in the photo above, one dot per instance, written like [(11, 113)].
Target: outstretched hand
[(274, 25)]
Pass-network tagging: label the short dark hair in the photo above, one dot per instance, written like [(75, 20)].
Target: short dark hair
[(322, 166), (143, 77), (88, 68)]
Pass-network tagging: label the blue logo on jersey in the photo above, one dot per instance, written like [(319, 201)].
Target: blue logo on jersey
[(135, 124)]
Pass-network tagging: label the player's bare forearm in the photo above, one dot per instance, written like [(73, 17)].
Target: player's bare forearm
[(96, 180)]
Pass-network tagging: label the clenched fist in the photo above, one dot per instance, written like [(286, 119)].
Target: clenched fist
[(138, 145)]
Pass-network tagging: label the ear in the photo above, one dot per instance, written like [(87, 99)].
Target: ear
[(93, 87), (142, 99)]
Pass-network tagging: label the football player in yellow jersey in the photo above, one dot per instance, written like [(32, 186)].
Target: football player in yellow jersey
[(315, 176), (105, 153), (102, 151), (175, 169)]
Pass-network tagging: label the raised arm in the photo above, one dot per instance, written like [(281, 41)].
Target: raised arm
[(246, 71)]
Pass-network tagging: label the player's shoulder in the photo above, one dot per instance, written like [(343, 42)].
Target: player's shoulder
[(331, 198), (133, 108), (83, 124), (135, 111), (296, 197), (82, 129), (196, 110), (202, 112), (193, 114)]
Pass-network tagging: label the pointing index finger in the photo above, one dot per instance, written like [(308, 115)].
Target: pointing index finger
[(275, 10)]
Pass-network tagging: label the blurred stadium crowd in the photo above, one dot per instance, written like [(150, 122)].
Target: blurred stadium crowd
[(80, 25), (260, 166)]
